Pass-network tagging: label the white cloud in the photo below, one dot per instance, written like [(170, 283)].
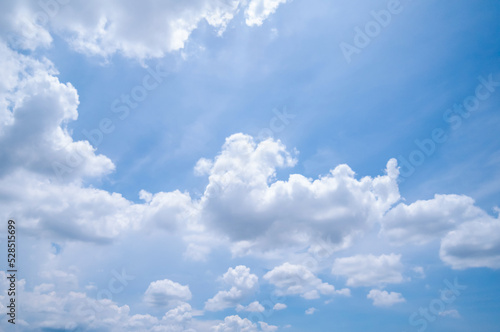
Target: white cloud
[(453, 313), (236, 323), (267, 328), (276, 214), (427, 220), (280, 306), (259, 10), (35, 108), (49, 308), (203, 167), (18, 22), (141, 30), (242, 282), (252, 307), (310, 311), (473, 244), (42, 163), (292, 279), (453, 219), (369, 270), (384, 299), (164, 292)]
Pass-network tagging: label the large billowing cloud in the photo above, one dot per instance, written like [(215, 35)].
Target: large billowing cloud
[(244, 201), (35, 108), (124, 27), (473, 244)]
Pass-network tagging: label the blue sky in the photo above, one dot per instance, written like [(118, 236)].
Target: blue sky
[(227, 165)]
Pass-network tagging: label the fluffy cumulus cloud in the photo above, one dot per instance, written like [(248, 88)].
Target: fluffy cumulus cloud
[(383, 298), (42, 163), (21, 27), (164, 292), (427, 220), (242, 282), (50, 308), (473, 244), (280, 306), (258, 213), (35, 109), (469, 236), (292, 279), (369, 270), (124, 27), (267, 327), (310, 311), (252, 307), (236, 323)]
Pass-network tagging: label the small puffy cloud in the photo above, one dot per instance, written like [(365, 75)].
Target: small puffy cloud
[(473, 244), (179, 314), (267, 328), (292, 279), (164, 292), (280, 306), (258, 10), (252, 307), (383, 298), (369, 270), (240, 277), (242, 282), (453, 313), (310, 311), (236, 323)]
